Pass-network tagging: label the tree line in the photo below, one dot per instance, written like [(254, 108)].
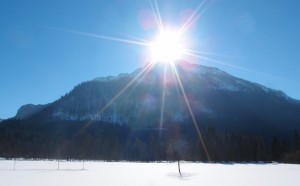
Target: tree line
[(96, 140)]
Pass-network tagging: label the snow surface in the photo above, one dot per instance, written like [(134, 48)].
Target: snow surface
[(36, 173)]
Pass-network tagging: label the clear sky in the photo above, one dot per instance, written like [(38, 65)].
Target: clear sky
[(40, 60)]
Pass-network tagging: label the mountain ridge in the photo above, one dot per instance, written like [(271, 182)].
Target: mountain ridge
[(29, 109), (216, 97)]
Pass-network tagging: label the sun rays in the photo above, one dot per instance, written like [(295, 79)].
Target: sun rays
[(157, 15), (194, 16), (162, 109), (174, 70), (167, 48)]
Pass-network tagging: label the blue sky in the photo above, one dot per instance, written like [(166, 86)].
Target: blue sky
[(39, 61)]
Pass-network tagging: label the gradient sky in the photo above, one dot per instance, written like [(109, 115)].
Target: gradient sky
[(41, 61)]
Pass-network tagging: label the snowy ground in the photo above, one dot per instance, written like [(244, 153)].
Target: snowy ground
[(45, 173)]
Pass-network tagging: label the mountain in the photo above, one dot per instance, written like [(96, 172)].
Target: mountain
[(207, 115), (216, 98)]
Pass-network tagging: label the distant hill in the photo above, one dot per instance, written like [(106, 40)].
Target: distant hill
[(27, 110)]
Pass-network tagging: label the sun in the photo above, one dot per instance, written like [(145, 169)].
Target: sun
[(167, 47)]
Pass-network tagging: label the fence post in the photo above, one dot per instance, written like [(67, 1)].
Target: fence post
[(15, 161)]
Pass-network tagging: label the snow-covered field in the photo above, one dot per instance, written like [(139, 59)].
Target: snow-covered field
[(46, 173)]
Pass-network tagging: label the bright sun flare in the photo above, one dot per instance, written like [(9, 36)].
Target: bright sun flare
[(167, 47)]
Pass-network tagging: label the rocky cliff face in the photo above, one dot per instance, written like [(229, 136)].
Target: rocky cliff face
[(26, 111)]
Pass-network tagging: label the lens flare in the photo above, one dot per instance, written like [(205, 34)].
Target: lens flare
[(167, 47)]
